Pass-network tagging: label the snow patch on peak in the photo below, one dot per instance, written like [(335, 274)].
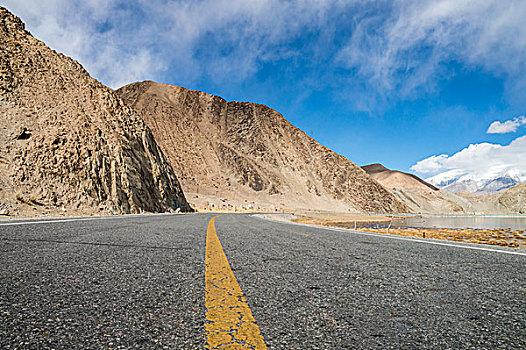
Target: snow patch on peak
[(482, 167), (491, 181)]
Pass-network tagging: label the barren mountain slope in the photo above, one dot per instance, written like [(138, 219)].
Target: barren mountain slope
[(417, 194), (508, 201), (433, 202), (423, 197), (396, 179), (69, 142), (248, 153)]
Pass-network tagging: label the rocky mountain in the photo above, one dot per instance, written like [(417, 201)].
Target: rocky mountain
[(491, 181), (240, 154), (396, 179), (68, 141), (511, 200)]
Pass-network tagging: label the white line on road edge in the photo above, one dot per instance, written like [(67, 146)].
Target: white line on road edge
[(52, 221), (79, 219), (415, 239)]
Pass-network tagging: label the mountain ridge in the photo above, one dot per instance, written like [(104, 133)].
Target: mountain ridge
[(427, 199), (493, 181), (395, 178), (250, 150)]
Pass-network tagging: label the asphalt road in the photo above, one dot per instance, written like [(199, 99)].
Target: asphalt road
[(138, 282)]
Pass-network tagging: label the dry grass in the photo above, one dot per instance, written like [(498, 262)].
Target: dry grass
[(346, 220), (500, 237), (482, 236)]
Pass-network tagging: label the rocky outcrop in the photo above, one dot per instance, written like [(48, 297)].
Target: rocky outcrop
[(245, 152), (68, 141)]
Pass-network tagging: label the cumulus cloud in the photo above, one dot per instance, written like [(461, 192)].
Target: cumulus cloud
[(508, 126), (481, 158)]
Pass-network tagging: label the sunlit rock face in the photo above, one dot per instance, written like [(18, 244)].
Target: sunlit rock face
[(68, 142), (245, 153)]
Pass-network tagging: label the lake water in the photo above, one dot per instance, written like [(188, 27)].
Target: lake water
[(487, 222)]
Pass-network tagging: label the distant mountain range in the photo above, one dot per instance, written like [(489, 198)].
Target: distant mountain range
[(423, 197), (490, 181)]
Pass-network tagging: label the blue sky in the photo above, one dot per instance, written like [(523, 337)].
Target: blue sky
[(395, 82)]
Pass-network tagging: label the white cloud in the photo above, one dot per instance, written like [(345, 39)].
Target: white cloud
[(508, 126), (405, 48), (113, 54), (390, 47), (433, 164), (220, 39), (478, 159)]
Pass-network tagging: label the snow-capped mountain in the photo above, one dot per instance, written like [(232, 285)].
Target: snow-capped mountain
[(490, 181)]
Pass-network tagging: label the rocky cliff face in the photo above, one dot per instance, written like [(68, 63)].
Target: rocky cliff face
[(69, 142), (248, 153)]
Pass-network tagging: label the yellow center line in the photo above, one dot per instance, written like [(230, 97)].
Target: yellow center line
[(230, 324)]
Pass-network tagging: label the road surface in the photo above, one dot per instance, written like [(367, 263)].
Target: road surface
[(142, 282)]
